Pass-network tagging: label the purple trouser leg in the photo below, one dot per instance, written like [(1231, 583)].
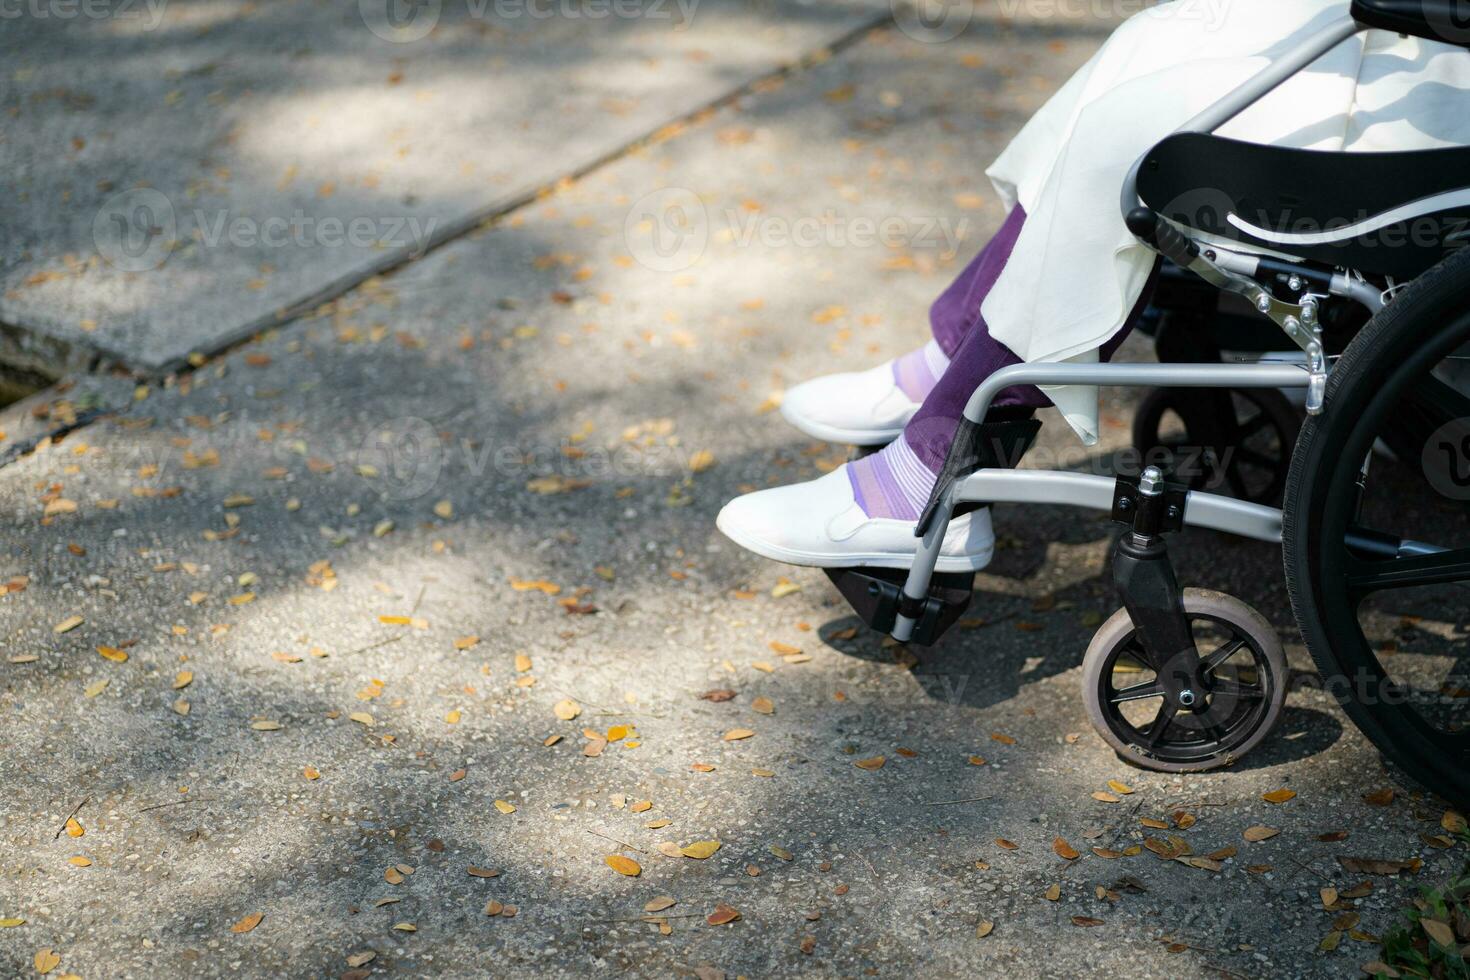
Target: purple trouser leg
[(973, 354)]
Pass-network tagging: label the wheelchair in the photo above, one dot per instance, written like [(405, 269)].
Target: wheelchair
[(1353, 264)]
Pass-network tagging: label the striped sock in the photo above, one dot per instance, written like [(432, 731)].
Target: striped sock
[(891, 483), (917, 372)]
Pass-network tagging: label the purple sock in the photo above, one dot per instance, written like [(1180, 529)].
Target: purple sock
[(892, 482), (917, 372)]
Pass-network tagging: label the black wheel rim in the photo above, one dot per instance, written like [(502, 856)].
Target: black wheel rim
[(1375, 564), (1243, 684), (1250, 463)]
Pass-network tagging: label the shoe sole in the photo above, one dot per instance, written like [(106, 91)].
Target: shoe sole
[(832, 433), (889, 559)]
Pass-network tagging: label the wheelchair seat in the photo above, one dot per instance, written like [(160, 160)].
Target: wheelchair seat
[(1433, 20), (1393, 214)]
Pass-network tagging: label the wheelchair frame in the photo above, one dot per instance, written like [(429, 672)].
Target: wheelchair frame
[(1225, 268)]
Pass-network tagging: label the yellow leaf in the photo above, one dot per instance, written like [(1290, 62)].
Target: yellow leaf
[(876, 762), (183, 679), (66, 626), (1064, 850), (618, 732), (985, 928), (700, 849), (311, 772), (523, 663), (1054, 893), (784, 649), (74, 828), (1453, 822), (624, 865), (452, 718), (114, 654), (659, 904), (1279, 795), (465, 642), (567, 709), (763, 706), (1102, 797), (736, 734), (181, 707), (1259, 833), (1121, 788), (405, 927), (444, 509), (701, 461), (79, 861), (266, 726), (362, 718), (95, 688), (11, 923), (46, 961), (505, 807)]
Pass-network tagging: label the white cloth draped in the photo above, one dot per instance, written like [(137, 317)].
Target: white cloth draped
[(1076, 271)]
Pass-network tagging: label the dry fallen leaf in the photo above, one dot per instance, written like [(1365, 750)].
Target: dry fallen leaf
[(505, 807), (1053, 894), (46, 961), (722, 914), (1439, 932), (248, 923), (567, 709), (985, 928), (700, 850), (659, 904), (68, 624), (1119, 787), (1259, 833), (736, 734), (763, 706), (623, 865), (1064, 850), (876, 762), (1279, 795)]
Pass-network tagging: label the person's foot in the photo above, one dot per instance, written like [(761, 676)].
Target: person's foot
[(862, 513), (866, 408)]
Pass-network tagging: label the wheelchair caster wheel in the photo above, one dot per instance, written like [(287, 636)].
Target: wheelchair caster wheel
[(1235, 441), (1203, 708)]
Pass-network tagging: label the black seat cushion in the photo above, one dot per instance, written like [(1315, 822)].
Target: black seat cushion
[(1436, 20), (1394, 214)]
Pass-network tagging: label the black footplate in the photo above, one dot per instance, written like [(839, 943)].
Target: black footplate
[(876, 595)]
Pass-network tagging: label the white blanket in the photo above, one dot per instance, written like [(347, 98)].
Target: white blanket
[(1076, 270)]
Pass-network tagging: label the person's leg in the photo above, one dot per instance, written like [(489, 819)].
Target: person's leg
[(871, 407), (896, 482)]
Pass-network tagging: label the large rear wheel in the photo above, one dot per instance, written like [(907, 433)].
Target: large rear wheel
[(1377, 530)]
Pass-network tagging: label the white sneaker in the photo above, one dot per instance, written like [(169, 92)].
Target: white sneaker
[(819, 523), (864, 408)]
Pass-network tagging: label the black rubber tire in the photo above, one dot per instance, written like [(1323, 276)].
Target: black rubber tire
[(1198, 604), (1283, 417), (1429, 318)]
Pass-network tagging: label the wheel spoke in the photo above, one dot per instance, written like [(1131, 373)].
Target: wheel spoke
[(1256, 459), (1405, 573), (1441, 399), (1256, 424), (1222, 653), (1160, 724), (1138, 692), (1238, 691)]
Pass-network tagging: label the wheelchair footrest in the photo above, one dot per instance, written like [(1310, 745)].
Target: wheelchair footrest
[(876, 595)]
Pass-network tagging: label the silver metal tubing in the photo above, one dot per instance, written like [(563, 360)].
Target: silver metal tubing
[(1262, 375), (1096, 492), (1264, 81)]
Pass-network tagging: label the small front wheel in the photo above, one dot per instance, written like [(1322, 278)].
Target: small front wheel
[(1196, 712)]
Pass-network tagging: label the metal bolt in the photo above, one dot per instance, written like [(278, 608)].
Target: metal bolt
[(1187, 698), (1263, 303), (1295, 282), (1149, 482)]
